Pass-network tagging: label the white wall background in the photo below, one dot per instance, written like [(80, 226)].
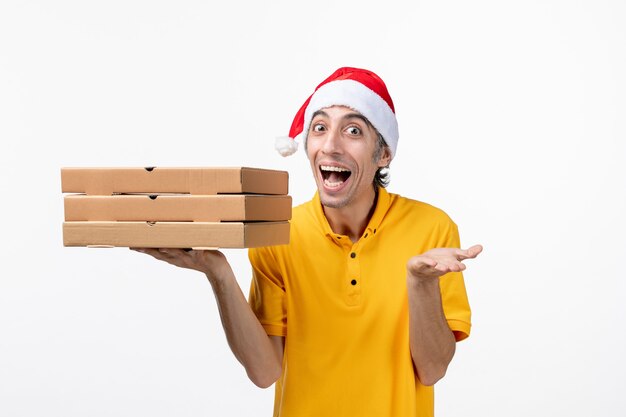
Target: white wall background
[(511, 118)]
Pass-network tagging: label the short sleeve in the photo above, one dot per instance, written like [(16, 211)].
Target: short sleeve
[(267, 292), (453, 293)]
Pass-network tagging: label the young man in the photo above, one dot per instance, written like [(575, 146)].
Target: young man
[(360, 313)]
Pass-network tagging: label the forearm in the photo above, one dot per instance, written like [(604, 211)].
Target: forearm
[(432, 342), (245, 335)]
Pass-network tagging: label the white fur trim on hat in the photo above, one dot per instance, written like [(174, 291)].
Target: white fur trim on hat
[(285, 145), (358, 97)]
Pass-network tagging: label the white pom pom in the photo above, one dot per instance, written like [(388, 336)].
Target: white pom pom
[(286, 146)]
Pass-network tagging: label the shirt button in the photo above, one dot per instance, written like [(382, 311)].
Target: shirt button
[(353, 282), (353, 255)]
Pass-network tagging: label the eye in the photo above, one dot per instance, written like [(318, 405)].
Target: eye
[(318, 127), (353, 130)]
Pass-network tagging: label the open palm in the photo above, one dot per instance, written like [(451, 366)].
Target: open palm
[(439, 261)]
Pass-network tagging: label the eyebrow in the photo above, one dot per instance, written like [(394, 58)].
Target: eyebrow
[(357, 116), (345, 117), (319, 113)]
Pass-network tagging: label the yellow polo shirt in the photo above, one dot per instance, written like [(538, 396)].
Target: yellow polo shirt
[(343, 309)]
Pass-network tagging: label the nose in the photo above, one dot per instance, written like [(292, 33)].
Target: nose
[(332, 142)]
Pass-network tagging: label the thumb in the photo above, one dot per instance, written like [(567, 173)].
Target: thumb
[(471, 252)]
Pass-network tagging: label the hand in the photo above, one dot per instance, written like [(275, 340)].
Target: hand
[(213, 263), (440, 261)]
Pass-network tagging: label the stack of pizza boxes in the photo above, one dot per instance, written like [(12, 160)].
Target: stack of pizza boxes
[(166, 207)]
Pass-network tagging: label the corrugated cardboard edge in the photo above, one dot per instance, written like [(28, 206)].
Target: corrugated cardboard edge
[(175, 234), (192, 180), (258, 234), (278, 211), (177, 207), (254, 178)]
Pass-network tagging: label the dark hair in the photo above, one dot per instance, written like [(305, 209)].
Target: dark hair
[(381, 179)]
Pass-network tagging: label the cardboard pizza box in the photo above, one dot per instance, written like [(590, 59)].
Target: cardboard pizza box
[(198, 235), (154, 180), (177, 207)]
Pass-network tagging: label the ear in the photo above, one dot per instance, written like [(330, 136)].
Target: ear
[(385, 157)]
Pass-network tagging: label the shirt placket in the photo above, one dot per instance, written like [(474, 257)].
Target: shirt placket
[(353, 280), (353, 283)]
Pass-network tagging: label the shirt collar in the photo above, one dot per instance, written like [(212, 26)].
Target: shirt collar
[(383, 202), (382, 207)]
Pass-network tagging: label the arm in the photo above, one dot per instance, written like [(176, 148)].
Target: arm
[(431, 340), (260, 354)]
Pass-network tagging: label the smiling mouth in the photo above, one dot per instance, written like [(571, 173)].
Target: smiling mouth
[(334, 177)]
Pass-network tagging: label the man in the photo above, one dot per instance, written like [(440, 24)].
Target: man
[(360, 313)]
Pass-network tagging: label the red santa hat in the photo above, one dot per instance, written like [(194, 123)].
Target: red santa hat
[(359, 89)]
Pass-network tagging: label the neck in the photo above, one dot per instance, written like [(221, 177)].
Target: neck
[(352, 219)]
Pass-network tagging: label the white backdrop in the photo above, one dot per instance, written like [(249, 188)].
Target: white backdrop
[(511, 120)]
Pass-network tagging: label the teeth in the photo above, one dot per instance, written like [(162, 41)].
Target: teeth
[(335, 169), (332, 184)]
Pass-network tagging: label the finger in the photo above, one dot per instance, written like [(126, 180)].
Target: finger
[(421, 266), (147, 251), (176, 252), (443, 269), (450, 267), (428, 267), (159, 254), (475, 250), (162, 255), (419, 262), (429, 262), (430, 271), (454, 267), (470, 253), (458, 267)]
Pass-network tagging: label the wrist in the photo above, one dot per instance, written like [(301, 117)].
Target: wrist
[(422, 282), (220, 278)]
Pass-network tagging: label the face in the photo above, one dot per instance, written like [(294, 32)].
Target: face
[(341, 146)]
